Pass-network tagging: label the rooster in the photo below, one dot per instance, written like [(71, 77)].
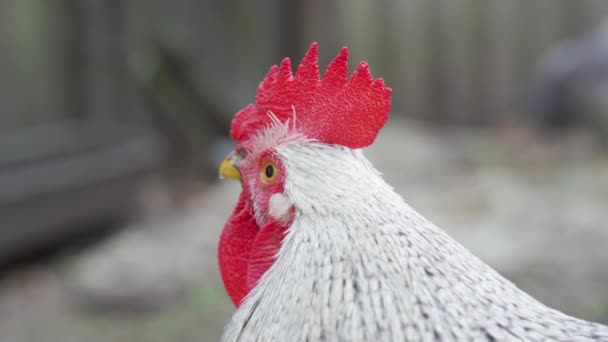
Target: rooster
[(321, 248)]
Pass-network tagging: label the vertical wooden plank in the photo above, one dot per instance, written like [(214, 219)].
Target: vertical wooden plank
[(29, 87), (395, 42), (67, 55), (290, 28), (357, 23), (480, 44), (137, 32), (412, 56), (455, 60), (524, 50), (502, 64), (436, 90), (63, 38), (524, 34), (388, 43), (467, 54), (384, 43), (104, 58)]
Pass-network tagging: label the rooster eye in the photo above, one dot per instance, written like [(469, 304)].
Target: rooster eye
[(269, 172)]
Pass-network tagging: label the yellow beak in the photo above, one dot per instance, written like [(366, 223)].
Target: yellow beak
[(229, 170)]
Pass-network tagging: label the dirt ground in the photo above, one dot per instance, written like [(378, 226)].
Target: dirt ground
[(536, 211)]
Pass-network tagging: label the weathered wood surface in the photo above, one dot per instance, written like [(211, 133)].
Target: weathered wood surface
[(448, 61), (183, 67)]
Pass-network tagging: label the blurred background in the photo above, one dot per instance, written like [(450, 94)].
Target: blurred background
[(114, 116)]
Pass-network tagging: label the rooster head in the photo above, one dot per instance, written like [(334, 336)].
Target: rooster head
[(283, 156)]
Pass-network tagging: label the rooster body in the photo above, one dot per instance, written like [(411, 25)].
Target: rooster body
[(334, 254)]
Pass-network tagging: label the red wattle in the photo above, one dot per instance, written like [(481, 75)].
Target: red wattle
[(234, 249), (246, 251)]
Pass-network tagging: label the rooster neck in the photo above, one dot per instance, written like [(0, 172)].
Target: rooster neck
[(359, 264)]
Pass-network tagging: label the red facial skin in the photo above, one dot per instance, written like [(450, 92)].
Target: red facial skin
[(246, 250)]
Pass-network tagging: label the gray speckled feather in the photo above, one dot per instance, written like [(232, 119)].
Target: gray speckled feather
[(359, 264)]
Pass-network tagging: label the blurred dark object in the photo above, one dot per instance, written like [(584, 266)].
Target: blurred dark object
[(58, 179), (80, 137), (571, 90)]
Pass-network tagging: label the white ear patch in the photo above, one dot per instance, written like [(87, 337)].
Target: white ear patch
[(278, 207)]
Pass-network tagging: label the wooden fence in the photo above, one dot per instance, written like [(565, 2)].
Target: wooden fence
[(198, 61), (79, 79)]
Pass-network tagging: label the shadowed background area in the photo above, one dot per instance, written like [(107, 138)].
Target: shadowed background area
[(114, 116)]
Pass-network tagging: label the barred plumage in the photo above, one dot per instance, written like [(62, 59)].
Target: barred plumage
[(359, 264)]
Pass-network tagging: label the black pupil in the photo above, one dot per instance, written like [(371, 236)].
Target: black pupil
[(269, 172)]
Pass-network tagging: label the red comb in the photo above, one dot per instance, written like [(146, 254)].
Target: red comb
[(334, 110)]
